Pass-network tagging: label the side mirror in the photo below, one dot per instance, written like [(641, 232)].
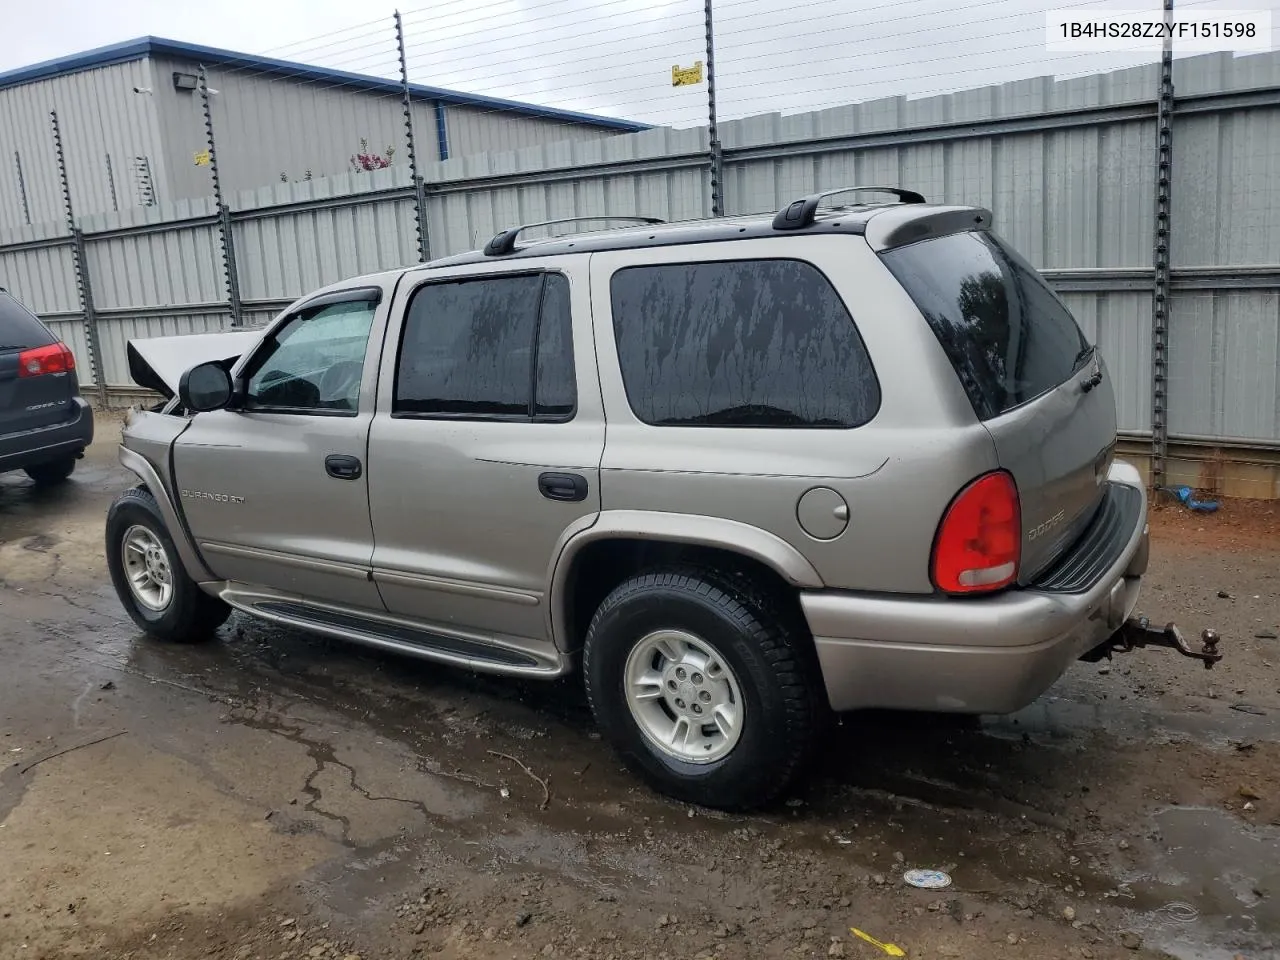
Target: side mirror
[(205, 387)]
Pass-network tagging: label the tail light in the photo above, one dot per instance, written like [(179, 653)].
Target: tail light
[(979, 542), (55, 358)]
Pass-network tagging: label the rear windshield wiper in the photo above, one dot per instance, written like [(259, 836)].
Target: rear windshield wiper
[(1081, 357)]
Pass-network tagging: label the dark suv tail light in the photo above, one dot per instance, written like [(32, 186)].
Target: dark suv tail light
[(55, 358), (979, 542)]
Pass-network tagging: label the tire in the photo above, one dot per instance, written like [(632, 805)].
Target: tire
[(769, 659), (186, 614), (51, 473)]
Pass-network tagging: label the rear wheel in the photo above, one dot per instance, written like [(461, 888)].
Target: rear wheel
[(148, 575), (705, 685), (52, 472)]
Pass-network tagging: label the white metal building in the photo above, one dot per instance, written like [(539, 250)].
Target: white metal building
[(133, 126)]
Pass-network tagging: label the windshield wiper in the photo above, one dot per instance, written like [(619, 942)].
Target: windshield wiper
[(1096, 378)]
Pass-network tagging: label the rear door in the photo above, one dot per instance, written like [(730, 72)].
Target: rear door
[(485, 451), (37, 378), (1037, 384)]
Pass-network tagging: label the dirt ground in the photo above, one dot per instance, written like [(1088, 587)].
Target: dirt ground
[(275, 795)]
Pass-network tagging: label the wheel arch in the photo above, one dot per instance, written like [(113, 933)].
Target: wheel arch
[(145, 471), (590, 561)]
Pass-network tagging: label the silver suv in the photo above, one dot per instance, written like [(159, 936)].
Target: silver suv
[(743, 473)]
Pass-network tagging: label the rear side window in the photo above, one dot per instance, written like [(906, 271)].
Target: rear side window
[(1008, 336), (749, 343), (19, 330), (492, 348)]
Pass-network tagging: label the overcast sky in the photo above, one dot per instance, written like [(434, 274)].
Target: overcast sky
[(614, 56)]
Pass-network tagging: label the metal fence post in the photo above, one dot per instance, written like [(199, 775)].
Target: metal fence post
[(84, 283), (225, 239), (713, 133), (142, 181), (111, 184), (1160, 299), (419, 193), (22, 187)]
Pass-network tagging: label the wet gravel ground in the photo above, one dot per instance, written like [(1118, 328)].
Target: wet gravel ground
[(274, 794)]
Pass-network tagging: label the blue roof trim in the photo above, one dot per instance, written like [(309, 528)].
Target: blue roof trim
[(158, 46), (98, 57)]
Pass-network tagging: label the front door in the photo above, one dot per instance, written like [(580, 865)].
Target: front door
[(486, 446), (276, 490)]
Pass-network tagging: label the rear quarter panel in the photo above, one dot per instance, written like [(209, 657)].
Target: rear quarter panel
[(897, 473)]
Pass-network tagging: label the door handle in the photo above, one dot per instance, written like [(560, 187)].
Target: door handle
[(570, 487), (342, 466)]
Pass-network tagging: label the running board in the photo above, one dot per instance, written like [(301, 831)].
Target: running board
[(398, 637)]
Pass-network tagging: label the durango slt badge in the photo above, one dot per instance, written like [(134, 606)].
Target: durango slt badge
[(1048, 525), (216, 497)]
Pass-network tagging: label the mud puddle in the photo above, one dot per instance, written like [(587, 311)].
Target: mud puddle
[(1211, 888), (1058, 717)]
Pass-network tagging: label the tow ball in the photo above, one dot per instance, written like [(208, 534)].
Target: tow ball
[(1138, 632)]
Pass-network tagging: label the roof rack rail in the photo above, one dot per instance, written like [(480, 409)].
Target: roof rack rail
[(801, 213), (505, 242)]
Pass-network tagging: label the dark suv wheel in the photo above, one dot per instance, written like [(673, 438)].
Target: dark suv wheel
[(148, 575), (52, 472), (706, 686)]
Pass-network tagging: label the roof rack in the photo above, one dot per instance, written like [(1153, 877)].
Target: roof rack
[(505, 242), (801, 213)]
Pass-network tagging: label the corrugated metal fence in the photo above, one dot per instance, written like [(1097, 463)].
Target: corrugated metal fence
[(1068, 169)]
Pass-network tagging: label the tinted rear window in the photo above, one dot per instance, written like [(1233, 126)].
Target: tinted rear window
[(750, 343), (1008, 336), (19, 330), (489, 347)]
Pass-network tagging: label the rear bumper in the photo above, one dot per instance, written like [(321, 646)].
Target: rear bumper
[(58, 440), (991, 655)]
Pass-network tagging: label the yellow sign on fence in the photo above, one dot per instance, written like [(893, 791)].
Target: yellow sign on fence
[(686, 76), (202, 158)]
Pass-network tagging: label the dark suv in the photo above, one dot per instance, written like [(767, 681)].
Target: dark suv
[(44, 422)]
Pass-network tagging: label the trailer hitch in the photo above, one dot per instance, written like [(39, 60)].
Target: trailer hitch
[(1138, 632)]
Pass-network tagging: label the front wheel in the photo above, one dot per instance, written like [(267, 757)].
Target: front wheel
[(705, 685), (148, 575)]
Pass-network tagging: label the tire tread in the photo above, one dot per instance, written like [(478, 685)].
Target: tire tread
[(51, 472), (195, 615), (757, 610)]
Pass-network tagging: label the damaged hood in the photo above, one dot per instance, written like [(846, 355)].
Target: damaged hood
[(158, 363)]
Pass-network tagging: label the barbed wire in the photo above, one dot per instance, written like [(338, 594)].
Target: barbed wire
[(619, 95), (530, 78)]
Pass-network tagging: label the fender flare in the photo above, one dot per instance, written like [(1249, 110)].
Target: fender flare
[(719, 533), (139, 465)]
